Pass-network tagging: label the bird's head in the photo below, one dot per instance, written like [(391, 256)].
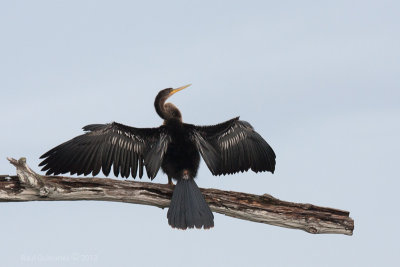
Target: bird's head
[(166, 93), (168, 110)]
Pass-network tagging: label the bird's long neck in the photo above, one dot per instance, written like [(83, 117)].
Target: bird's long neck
[(159, 105), (167, 111)]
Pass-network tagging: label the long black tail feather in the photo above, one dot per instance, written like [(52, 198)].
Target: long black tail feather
[(188, 209)]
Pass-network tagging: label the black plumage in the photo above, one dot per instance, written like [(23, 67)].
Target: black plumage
[(175, 147)]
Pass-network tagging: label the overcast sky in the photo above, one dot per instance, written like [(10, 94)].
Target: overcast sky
[(318, 80)]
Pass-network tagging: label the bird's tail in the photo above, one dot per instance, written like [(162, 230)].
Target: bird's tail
[(188, 209)]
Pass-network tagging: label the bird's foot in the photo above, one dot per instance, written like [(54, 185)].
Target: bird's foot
[(170, 183), (185, 174)]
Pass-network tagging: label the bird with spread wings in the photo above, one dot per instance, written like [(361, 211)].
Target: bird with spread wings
[(175, 147)]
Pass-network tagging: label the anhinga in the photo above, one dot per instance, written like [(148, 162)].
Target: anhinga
[(226, 148)]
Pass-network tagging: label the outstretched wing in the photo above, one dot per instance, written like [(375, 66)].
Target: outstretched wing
[(126, 149), (233, 146)]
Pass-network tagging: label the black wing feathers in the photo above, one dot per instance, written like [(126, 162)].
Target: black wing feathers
[(209, 153), (106, 146), (155, 153), (235, 147)]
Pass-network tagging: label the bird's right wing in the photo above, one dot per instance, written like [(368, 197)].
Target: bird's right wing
[(232, 146), (127, 149)]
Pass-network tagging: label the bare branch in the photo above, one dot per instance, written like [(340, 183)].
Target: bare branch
[(30, 186)]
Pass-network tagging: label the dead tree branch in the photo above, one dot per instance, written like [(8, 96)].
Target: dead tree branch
[(30, 186)]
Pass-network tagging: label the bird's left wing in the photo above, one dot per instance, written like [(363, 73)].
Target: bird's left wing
[(126, 149), (232, 146)]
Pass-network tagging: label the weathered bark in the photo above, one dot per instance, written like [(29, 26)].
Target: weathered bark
[(30, 186)]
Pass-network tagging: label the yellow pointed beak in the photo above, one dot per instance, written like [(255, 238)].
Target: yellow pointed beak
[(179, 88)]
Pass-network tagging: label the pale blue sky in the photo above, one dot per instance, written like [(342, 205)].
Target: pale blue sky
[(318, 80)]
